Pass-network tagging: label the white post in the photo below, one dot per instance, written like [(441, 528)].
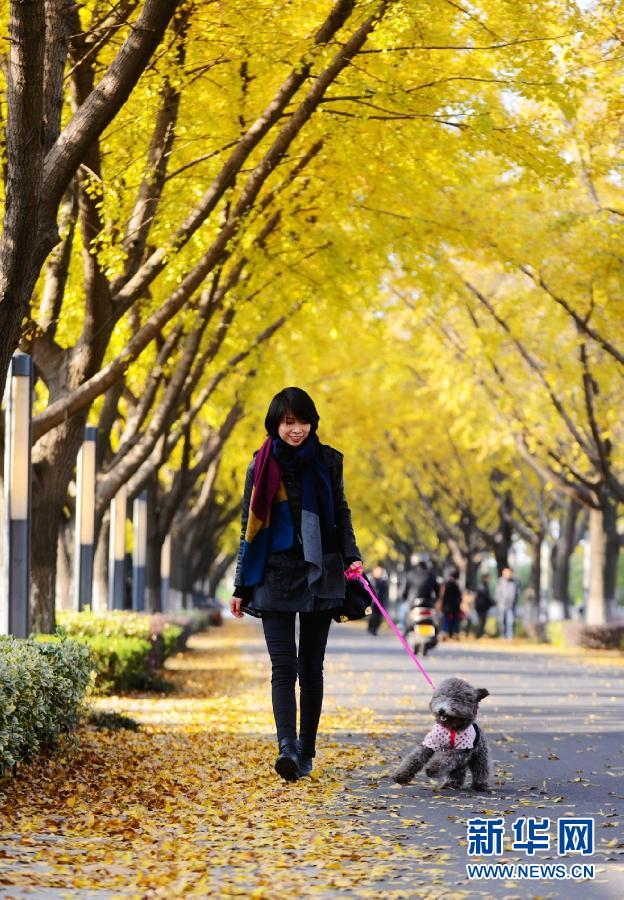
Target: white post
[(596, 607), (165, 572), (15, 596), (587, 568), (543, 602), (85, 520), (139, 556), (117, 549)]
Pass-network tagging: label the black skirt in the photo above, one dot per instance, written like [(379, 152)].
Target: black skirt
[(285, 587)]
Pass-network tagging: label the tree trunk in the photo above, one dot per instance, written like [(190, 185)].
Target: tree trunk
[(53, 469), (34, 184), (562, 551), (459, 560), (473, 564), (178, 575), (65, 565), (604, 550), (217, 571), (535, 576), (46, 520), (612, 552), (24, 172), (153, 598), (534, 590), (2, 505), (504, 534)]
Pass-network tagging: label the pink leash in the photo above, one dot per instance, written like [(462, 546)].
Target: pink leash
[(350, 574)]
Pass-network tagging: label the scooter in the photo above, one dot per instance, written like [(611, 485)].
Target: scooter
[(421, 630)]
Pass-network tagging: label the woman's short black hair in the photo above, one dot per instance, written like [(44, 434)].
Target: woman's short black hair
[(291, 400)]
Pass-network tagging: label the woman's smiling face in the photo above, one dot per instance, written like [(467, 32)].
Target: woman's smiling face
[(293, 431)]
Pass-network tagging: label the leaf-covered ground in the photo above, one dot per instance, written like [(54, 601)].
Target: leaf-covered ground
[(190, 804)]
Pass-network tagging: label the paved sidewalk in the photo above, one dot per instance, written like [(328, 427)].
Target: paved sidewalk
[(555, 726)]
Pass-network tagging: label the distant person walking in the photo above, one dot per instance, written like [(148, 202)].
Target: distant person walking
[(381, 586), (420, 584), (483, 604), (507, 593), (450, 605)]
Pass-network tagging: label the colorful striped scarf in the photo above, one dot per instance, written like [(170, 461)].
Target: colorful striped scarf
[(270, 526)]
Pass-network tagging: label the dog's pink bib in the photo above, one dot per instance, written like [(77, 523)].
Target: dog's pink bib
[(441, 738)]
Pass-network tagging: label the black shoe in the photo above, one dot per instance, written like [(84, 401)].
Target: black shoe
[(287, 763), (305, 765), (305, 762)]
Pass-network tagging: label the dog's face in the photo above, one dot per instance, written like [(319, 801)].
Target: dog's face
[(455, 703)]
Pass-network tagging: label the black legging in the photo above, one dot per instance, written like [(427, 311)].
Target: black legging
[(279, 633)]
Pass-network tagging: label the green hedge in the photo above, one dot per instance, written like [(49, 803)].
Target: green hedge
[(163, 633), (114, 623), (130, 647), (172, 635), (42, 685), (121, 663)]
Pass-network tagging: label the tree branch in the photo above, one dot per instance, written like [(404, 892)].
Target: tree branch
[(580, 321), (154, 265), (100, 108), (533, 365)]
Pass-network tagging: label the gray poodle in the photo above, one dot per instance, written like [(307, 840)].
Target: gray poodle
[(455, 743)]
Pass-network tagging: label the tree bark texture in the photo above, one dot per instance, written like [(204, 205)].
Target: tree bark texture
[(562, 551), (36, 180), (604, 551), (100, 567), (155, 540), (53, 469), (25, 135)]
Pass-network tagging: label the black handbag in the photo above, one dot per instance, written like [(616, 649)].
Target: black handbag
[(357, 602)]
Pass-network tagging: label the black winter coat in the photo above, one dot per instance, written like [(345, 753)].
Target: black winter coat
[(288, 569), (451, 598), (483, 599), (421, 583)]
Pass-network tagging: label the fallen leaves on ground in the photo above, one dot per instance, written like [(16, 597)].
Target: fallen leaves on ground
[(190, 804)]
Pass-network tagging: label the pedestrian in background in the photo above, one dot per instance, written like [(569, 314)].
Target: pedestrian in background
[(420, 584), (507, 593), (450, 605), (381, 586), (483, 604)]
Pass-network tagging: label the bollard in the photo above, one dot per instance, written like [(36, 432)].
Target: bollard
[(165, 572), (139, 554), (117, 549), (85, 520), (15, 595)]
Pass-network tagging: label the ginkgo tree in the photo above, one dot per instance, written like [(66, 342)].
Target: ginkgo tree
[(282, 160)]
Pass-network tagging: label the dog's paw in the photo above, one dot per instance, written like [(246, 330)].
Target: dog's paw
[(483, 788), (401, 778)]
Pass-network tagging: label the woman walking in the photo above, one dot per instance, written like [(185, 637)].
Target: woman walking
[(296, 540)]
